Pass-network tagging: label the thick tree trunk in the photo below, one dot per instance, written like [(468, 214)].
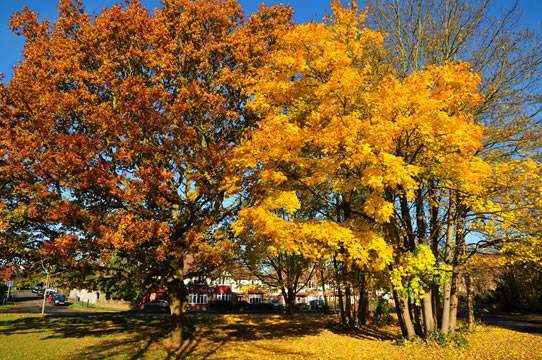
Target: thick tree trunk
[(454, 302), (399, 313), (348, 306), (407, 327), (182, 328), (470, 304), (363, 305), (289, 301), (417, 316), (445, 326), (427, 311)]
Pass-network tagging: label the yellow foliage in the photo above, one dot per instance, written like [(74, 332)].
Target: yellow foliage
[(414, 271), (335, 121)]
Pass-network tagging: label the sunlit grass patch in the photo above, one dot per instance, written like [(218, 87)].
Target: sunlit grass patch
[(239, 337), (97, 308), (4, 308)]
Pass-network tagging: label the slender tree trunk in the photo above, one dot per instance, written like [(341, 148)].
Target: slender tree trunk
[(470, 304), (437, 305), (326, 306), (458, 262), (434, 230), (341, 304), (426, 306), (445, 326)]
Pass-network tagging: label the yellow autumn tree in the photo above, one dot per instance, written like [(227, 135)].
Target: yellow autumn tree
[(508, 58), (338, 126)]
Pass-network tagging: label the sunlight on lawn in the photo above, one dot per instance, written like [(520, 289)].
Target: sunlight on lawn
[(240, 337)]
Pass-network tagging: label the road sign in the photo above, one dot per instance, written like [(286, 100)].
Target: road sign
[(10, 283)]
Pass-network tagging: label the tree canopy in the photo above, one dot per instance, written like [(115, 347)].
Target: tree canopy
[(374, 140)]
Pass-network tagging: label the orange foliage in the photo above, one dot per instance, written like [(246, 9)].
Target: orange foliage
[(116, 126)]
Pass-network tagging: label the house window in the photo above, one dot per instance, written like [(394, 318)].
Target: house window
[(255, 299), (198, 299), (223, 297)]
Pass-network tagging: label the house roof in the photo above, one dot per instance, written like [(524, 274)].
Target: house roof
[(198, 288), (222, 289), (255, 291)]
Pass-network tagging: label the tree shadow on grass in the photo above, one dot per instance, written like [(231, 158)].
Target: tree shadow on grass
[(274, 327), (108, 336), (258, 327), (367, 332), (135, 337)]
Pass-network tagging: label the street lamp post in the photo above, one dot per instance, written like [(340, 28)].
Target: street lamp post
[(45, 294)]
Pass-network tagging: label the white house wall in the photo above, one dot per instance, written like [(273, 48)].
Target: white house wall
[(83, 295)]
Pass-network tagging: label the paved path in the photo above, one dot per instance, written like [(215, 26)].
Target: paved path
[(531, 327)]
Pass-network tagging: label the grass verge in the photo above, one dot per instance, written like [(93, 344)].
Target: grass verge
[(5, 308), (239, 337), (96, 308)]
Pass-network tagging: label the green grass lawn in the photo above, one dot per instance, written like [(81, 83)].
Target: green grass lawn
[(97, 308), (238, 337), (4, 308)]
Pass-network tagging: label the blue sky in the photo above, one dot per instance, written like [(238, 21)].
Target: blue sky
[(305, 10)]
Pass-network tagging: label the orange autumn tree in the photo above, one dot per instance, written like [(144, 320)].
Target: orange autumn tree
[(115, 128), (339, 126)]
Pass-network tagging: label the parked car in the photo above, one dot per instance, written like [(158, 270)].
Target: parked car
[(302, 307), (49, 295), (316, 305), (276, 304), (59, 299), (162, 304), (37, 289)]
